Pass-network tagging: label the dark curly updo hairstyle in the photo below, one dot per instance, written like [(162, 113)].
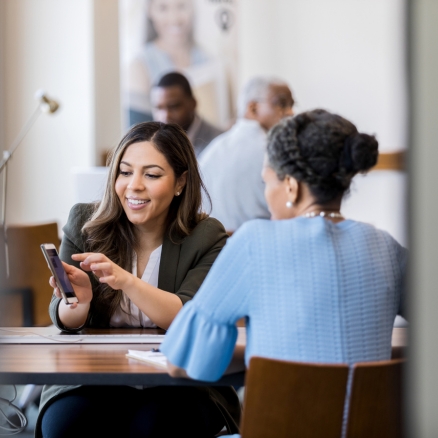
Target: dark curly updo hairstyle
[(322, 150)]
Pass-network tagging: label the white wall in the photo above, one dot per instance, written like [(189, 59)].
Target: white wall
[(108, 107), (346, 56), (2, 85), (49, 46), (343, 55), (52, 44), (379, 198)]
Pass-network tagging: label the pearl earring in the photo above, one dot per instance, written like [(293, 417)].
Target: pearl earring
[(289, 204), (177, 194)]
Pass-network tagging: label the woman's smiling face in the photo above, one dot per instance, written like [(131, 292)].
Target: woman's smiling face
[(146, 185), (172, 19)]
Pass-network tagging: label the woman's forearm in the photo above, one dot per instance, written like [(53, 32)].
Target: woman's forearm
[(73, 318), (236, 365), (160, 306)]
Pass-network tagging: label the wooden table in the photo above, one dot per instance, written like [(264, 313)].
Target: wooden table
[(89, 364), (101, 364)]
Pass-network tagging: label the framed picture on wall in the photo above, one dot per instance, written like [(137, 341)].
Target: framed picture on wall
[(195, 37)]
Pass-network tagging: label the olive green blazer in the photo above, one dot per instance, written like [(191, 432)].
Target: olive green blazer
[(183, 268), (183, 265)]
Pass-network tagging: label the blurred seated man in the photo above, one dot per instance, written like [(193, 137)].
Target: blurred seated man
[(231, 165), (173, 102)]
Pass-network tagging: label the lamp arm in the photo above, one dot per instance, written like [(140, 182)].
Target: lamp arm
[(7, 155), (47, 105)]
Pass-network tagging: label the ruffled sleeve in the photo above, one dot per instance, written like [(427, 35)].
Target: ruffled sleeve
[(201, 339), (200, 345)]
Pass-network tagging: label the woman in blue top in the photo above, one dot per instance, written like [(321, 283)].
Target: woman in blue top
[(312, 285)]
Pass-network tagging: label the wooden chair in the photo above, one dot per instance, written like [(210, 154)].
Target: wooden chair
[(15, 303), (16, 307), (290, 399), (376, 400), (398, 352), (28, 268)]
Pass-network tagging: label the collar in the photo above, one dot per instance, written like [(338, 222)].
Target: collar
[(243, 123)]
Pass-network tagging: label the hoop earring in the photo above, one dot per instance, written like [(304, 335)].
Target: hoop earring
[(289, 204)]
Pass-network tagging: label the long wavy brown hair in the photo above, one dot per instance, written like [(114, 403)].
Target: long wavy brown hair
[(109, 231)]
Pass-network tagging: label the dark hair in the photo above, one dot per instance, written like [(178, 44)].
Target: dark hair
[(110, 232), (176, 79), (322, 150)]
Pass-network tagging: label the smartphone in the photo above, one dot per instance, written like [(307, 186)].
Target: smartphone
[(58, 271)]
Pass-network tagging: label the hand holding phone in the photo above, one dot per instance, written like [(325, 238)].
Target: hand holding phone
[(58, 272)]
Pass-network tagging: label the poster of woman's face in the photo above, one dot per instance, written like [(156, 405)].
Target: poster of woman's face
[(197, 38)]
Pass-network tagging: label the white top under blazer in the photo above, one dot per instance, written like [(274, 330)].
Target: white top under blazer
[(128, 314)]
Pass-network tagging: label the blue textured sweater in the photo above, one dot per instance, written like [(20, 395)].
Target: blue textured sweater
[(311, 290)]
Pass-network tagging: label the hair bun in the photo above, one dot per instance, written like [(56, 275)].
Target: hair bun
[(363, 152)]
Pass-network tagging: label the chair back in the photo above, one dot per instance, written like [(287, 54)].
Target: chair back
[(286, 399), (376, 400), (15, 304), (27, 265)]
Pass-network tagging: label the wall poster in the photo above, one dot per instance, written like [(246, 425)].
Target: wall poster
[(195, 37)]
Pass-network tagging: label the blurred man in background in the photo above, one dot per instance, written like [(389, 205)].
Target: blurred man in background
[(173, 102), (231, 165)]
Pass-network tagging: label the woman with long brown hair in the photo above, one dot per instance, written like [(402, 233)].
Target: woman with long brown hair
[(138, 256)]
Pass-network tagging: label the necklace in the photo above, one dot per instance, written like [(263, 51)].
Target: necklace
[(332, 214)]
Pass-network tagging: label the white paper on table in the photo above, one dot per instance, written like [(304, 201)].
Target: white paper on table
[(152, 357)]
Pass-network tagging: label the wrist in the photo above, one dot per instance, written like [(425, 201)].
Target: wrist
[(80, 306), (72, 317), (129, 282)]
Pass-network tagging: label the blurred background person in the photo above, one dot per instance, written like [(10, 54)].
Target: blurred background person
[(173, 102), (231, 165), (170, 46)]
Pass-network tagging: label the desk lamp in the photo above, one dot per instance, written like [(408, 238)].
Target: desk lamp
[(45, 105)]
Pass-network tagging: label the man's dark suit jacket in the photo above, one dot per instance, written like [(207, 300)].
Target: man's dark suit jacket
[(203, 135)]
